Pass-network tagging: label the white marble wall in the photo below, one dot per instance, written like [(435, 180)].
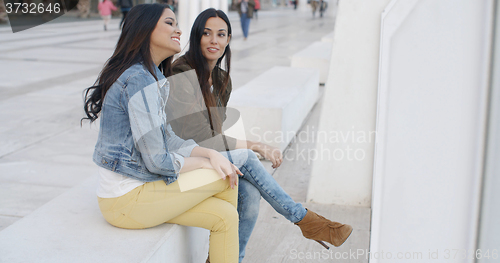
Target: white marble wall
[(490, 205), (433, 88)]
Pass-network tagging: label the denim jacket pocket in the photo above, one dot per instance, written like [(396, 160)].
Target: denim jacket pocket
[(109, 163)]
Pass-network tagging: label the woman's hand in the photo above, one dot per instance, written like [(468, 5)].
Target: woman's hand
[(219, 163), (271, 153), (224, 167), (206, 164)]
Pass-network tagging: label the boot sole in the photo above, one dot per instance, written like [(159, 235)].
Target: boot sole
[(346, 238)]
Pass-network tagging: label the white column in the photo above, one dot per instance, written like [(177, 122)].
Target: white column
[(184, 24), (342, 172), (224, 4), (215, 4), (194, 10), (205, 4)]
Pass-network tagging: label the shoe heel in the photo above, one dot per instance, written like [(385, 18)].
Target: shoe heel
[(323, 244)]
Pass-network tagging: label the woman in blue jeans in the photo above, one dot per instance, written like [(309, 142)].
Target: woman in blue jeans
[(196, 109), (245, 10)]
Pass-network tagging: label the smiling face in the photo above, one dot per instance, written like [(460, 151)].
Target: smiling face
[(165, 38), (214, 40)]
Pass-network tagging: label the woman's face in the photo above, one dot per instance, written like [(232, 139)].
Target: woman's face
[(166, 37), (215, 39)]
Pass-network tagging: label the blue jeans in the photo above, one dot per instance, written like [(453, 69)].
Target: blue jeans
[(245, 24), (254, 183), (248, 211)]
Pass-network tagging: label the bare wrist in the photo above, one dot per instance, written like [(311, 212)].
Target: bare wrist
[(211, 153), (202, 152), (254, 146)]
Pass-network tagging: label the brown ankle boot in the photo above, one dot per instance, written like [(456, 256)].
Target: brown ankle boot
[(318, 228)]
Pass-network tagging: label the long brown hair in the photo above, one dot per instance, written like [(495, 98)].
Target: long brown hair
[(133, 47), (196, 60)]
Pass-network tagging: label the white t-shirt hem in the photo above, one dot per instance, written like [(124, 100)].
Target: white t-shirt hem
[(112, 185)]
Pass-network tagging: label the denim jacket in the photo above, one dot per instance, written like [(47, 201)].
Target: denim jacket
[(134, 137)]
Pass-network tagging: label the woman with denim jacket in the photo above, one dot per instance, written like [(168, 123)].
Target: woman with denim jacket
[(141, 159), (196, 110)]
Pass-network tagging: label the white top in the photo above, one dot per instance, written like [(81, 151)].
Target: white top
[(113, 184)]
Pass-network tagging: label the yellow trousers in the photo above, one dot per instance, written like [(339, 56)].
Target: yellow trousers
[(212, 207)]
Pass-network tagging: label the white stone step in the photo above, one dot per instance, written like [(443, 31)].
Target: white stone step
[(71, 228), (273, 106), (317, 55)]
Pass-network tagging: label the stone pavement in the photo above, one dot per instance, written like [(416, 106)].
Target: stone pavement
[(44, 151)]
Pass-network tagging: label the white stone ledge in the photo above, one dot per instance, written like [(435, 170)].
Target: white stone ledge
[(71, 228), (317, 55), (274, 105)]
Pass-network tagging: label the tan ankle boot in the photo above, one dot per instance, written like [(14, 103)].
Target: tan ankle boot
[(318, 228)]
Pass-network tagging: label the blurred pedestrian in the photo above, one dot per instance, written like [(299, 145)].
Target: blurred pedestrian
[(83, 7), (319, 4), (323, 4), (256, 8), (3, 13), (314, 6), (245, 9), (105, 7), (172, 4), (125, 6)]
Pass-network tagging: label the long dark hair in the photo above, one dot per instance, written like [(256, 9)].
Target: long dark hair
[(133, 47), (196, 60)]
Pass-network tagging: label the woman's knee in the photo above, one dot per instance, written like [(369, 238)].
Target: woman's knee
[(227, 218), (240, 156), (250, 155)]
